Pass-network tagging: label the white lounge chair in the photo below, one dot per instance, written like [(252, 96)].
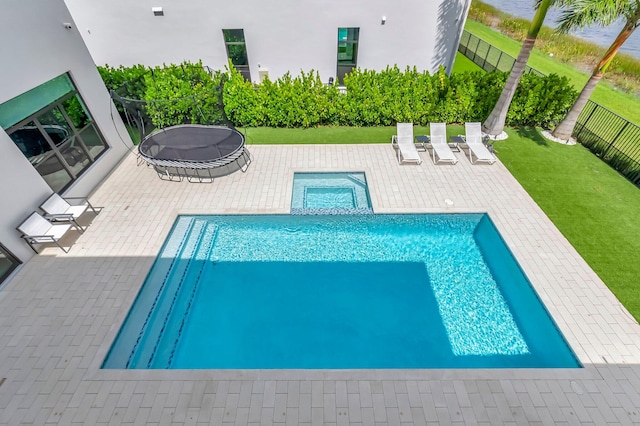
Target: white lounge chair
[(473, 140), (439, 146), (38, 230), (58, 209), (404, 143)]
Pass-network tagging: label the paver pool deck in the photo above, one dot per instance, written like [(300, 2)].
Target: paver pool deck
[(60, 312)]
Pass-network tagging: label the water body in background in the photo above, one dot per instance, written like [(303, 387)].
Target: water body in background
[(604, 36)]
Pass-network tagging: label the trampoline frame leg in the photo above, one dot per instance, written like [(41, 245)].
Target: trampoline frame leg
[(165, 175), (191, 177)]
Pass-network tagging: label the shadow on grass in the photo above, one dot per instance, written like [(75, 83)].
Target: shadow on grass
[(533, 134)]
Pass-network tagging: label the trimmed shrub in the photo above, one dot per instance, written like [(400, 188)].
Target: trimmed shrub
[(541, 101), (186, 93), (129, 82), (243, 104), (183, 94)]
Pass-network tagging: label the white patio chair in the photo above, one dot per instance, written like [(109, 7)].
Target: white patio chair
[(38, 230), (439, 146), (58, 209), (473, 140), (404, 142)]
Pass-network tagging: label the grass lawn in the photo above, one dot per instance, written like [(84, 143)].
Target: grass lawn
[(331, 134), (624, 104), (133, 133), (323, 135), (591, 204), (462, 64)]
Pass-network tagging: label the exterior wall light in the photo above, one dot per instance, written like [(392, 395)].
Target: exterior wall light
[(157, 11), (384, 20)]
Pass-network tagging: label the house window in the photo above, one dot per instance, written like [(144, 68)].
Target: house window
[(347, 51), (52, 127), (8, 263), (237, 51)]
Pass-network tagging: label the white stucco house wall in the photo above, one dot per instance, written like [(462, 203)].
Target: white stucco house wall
[(288, 35), (50, 50), (41, 46)]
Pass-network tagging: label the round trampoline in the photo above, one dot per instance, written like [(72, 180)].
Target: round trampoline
[(194, 151)]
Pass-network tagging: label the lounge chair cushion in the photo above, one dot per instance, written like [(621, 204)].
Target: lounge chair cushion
[(37, 226), (55, 204)]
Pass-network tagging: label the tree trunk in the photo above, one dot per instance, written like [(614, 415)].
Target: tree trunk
[(494, 124), (566, 126)]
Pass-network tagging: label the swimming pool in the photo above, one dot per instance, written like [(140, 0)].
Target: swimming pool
[(337, 292)]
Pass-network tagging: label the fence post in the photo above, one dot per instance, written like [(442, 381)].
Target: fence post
[(604, 154), (484, 60), (475, 50), (587, 120)]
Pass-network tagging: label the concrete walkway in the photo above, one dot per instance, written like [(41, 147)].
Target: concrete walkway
[(60, 313)]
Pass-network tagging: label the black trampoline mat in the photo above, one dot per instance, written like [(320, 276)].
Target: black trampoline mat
[(194, 143)]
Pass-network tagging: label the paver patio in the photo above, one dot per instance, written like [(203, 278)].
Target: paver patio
[(60, 313)]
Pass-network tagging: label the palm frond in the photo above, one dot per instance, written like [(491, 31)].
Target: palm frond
[(583, 13)]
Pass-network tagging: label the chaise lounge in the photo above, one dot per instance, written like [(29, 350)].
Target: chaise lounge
[(476, 147), (38, 230), (404, 143), (58, 209), (440, 150)]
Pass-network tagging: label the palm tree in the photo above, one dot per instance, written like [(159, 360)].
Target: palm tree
[(494, 124), (582, 13)]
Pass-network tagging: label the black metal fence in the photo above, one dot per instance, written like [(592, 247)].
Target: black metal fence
[(488, 57), (612, 138)]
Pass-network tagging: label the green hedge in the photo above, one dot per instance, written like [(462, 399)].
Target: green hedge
[(390, 96), (128, 82), (186, 93), (181, 94), (172, 94)]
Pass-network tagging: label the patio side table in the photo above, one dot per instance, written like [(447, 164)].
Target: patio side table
[(454, 143), (421, 141)]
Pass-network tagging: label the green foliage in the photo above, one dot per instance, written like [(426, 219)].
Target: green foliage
[(624, 71), (183, 94), (243, 104), (129, 82), (173, 94), (483, 13), (391, 96), (187, 93), (303, 101), (459, 97), (541, 101), (295, 102), (76, 112)]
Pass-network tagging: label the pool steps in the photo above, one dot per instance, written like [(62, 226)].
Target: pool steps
[(161, 324)]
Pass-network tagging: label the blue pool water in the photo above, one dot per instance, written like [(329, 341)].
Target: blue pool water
[(330, 193), (340, 292)]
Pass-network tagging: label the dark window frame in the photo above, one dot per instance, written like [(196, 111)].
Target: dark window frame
[(14, 260), (343, 68), (242, 68), (55, 151)]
